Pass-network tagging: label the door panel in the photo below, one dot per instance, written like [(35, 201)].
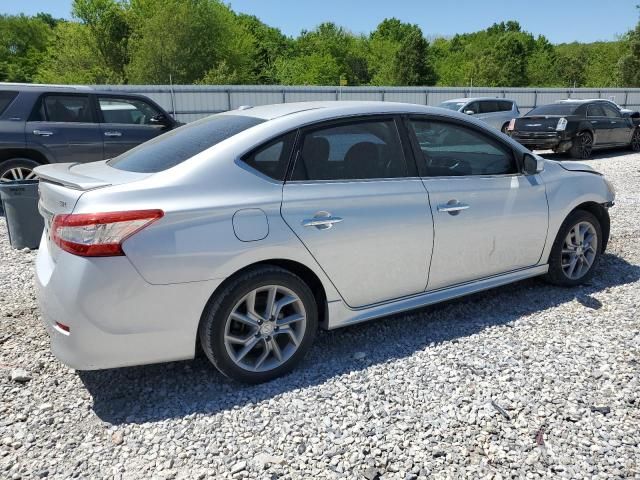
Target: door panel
[(504, 227), (600, 124), (126, 123), (620, 128), (65, 127), (380, 249)]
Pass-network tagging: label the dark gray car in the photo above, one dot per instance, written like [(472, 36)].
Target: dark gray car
[(40, 125)]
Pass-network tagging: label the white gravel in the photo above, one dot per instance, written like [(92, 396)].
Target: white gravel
[(526, 381)]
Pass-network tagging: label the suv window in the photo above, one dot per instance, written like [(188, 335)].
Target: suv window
[(178, 145), (272, 159), (475, 106), (488, 106), (453, 150), (353, 151), (610, 112), (505, 105), (66, 108), (595, 111), (5, 100), (126, 110)]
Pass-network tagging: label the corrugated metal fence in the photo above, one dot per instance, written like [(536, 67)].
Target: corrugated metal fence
[(190, 102)]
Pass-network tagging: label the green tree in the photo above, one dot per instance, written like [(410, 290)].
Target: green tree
[(185, 39), (107, 22), (312, 69), (23, 46), (629, 63), (73, 57)]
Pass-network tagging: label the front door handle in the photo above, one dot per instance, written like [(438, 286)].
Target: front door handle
[(453, 207), (43, 133), (322, 221), (112, 134)]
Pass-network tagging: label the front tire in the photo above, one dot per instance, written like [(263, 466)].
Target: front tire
[(582, 146), (260, 325), (576, 250), (17, 169)]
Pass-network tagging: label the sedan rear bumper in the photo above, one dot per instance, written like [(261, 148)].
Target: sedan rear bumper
[(542, 140), (114, 317)]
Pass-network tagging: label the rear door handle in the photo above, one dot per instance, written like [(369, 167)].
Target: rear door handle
[(322, 221), (452, 207), (112, 134), (43, 133)]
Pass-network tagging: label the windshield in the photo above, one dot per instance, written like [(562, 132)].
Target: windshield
[(178, 145), (452, 105), (555, 109)]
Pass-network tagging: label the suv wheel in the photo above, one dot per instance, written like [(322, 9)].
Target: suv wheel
[(17, 169), (260, 325), (576, 250)]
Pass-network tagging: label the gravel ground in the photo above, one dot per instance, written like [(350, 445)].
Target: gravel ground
[(524, 382)]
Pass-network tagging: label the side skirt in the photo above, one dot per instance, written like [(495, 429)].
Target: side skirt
[(340, 315)]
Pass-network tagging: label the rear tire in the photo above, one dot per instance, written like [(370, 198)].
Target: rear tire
[(260, 325), (576, 250), (635, 140), (582, 146), (17, 169)]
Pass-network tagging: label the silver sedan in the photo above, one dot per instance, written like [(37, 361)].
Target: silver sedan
[(247, 231)]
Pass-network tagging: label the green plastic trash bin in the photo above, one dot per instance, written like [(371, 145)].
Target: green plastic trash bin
[(20, 205)]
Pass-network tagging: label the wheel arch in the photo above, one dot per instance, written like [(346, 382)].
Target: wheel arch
[(29, 153), (305, 273), (601, 213)]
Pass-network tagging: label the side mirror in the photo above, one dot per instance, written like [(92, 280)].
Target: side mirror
[(469, 112), (532, 164), (626, 114), (160, 119)]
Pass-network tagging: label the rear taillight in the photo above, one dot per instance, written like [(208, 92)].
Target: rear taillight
[(512, 125), (99, 234)]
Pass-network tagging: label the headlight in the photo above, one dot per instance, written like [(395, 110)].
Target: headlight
[(562, 125), (610, 186)]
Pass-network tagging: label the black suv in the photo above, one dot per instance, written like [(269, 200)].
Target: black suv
[(40, 124)]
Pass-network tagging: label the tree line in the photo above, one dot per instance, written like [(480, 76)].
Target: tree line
[(206, 42)]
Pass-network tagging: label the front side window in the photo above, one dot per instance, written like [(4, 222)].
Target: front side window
[(176, 146), (272, 159), (488, 106), (611, 112), (505, 106), (353, 151), (126, 110), (453, 150), (66, 108), (455, 106)]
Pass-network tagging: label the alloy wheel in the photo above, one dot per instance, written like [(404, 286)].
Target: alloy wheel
[(579, 250), (18, 173), (635, 141), (265, 328), (586, 145)]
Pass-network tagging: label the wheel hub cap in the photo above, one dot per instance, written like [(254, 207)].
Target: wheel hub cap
[(267, 329), (579, 250)]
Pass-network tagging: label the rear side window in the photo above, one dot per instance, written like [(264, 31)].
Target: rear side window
[(5, 100), (453, 150), (272, 159), (178, 145), (68, 108), (353, 151)]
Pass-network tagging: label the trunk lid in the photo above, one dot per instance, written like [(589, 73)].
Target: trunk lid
[(545, 123), (62, 185)]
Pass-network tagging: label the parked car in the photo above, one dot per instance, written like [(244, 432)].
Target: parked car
[(247, 230), (577, 127), (41, 124), (497, 112)]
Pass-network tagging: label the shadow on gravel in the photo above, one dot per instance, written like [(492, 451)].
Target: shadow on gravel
[(181, 389)]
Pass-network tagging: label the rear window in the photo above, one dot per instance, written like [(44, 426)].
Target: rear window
[(555, 109), (5, 99), (178, 145)]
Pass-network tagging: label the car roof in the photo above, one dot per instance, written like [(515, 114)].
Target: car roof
[(334, 108), (580, 101), (475, 99), (42, 88)]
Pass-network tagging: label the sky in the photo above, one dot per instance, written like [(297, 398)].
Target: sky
[(559, 20)]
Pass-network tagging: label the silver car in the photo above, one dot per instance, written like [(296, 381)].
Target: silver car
[(497, 112), (247, 231)]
